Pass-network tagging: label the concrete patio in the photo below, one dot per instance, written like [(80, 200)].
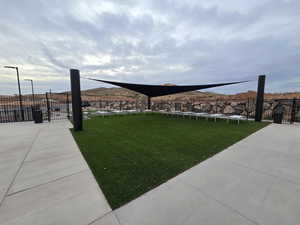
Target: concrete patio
[(255, 181), (45, 180)]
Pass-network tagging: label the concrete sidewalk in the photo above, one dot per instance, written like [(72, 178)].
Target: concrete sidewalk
[(44, 179), (256, 181)]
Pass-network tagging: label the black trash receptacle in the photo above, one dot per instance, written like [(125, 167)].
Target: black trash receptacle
[(38, 116), (278, 114), (278, 118)]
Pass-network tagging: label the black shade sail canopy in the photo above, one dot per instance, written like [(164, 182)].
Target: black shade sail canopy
[(160, 90)]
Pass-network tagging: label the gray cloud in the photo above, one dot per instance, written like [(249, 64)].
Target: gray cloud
[(183, 42)]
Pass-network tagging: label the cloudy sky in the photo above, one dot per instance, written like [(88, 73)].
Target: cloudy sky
[(151, 41)]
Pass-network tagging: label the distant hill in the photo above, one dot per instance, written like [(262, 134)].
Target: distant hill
[(111, 92), (252, 94), (192, 95), (120, 94)]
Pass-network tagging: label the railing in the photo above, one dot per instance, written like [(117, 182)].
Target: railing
[(110, 103), (53, 107), (291, 109), (244, 108), (10, 110)]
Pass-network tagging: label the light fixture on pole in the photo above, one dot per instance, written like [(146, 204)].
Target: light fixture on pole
[(19, 87), (32, 91)]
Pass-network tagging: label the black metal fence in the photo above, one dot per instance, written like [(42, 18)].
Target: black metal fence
[(10, 110), (290, 109), (53, 107), (56, 106), (244, 108), (60, 106), (109, 103)]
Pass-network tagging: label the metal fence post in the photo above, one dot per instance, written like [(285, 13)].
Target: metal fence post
[(260, 98), (48, 107), (68, 107), (76, 99), (293, 111), (149, 102), (248, 108), (20, 95), (15, 115)]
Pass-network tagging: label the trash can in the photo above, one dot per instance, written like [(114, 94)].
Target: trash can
[(278, 114), (38, 116), (278, 118)]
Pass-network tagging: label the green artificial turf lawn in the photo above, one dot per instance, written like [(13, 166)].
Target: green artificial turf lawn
[(130, 155)]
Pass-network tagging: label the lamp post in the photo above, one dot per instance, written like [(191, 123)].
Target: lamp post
[(20, 95), (31, 81)]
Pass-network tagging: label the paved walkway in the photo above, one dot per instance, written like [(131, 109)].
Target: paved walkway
[(256, 181), (44, 178)]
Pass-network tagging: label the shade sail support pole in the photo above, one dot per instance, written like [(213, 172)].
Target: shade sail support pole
[(149, 102), (76, 99), (260, 98)]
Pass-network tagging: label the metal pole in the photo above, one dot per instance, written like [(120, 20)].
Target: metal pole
[(260, 98), (76, 99), (293, 111), (48, 107), (20, 95), (149, 102), (68, 109), (33, 100), (248, 108), (32, 91), (50, 95)]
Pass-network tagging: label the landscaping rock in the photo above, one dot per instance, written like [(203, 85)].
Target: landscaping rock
[(229, 109)]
